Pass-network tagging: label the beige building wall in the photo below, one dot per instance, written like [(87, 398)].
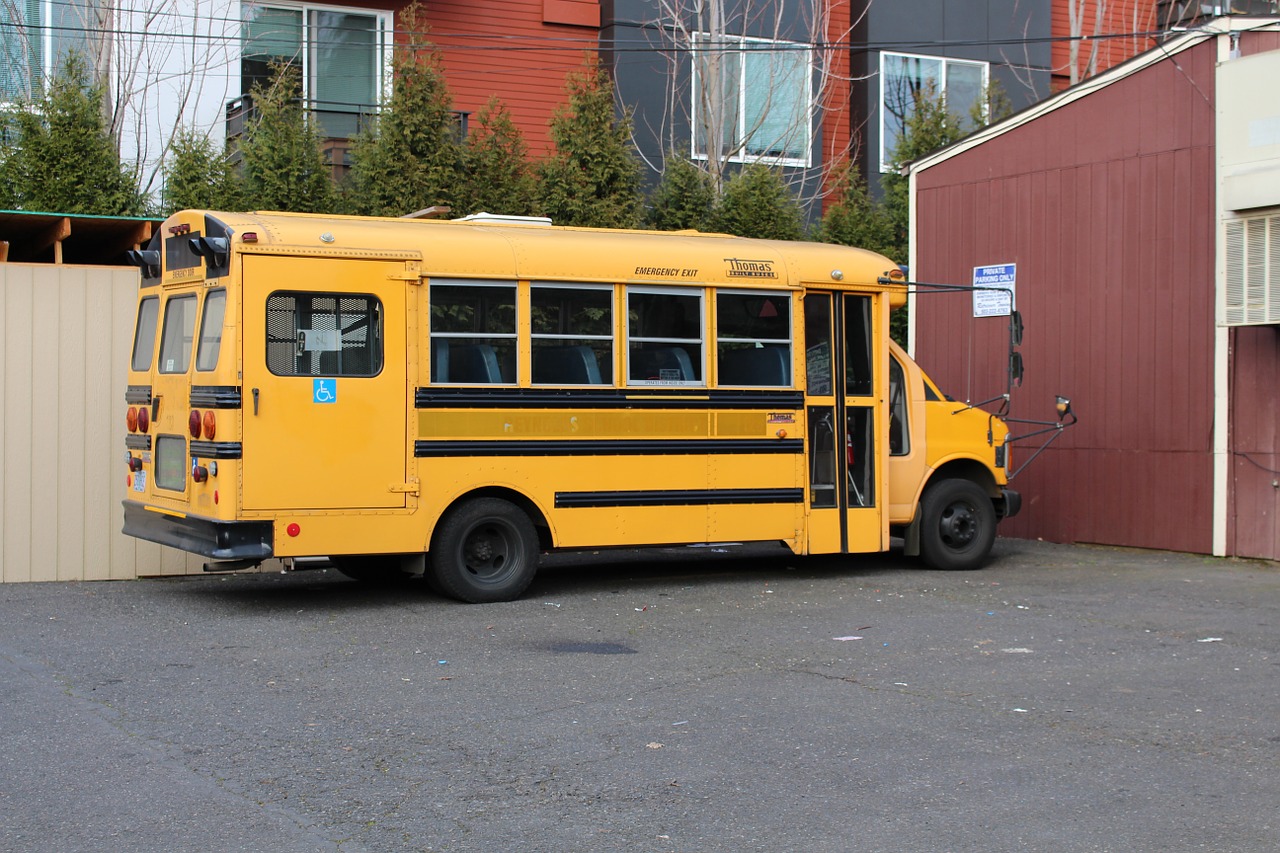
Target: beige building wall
[(65, 337)]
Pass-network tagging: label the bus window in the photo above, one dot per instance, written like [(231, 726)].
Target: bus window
[(857, 345), (324, 334), (215, 306), (144, 335), (664, 337), (817, 341), (899, 433), (572, 335), (753, 339), (473, 332), (179, 327)]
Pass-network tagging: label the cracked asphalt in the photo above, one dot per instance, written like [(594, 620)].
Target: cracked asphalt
[(1065, 698)]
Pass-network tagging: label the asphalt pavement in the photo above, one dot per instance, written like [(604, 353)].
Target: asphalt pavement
[(1065, 698)]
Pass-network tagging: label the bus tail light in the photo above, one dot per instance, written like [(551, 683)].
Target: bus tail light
[(209, 425), (144, 419), (131, 419), (193, 423), (199, 473)]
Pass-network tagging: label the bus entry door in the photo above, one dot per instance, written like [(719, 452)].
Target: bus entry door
[(845, 480), (324, 384)]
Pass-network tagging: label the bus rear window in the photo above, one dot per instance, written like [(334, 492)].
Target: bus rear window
[(144, 335), (215, 306), (179, 329)]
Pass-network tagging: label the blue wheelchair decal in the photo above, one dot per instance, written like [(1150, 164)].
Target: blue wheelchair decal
[(324, 391)]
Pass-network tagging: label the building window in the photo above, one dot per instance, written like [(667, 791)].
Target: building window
[(37, 36), (904, 77), (343, 56), (1252, 274), (762, 104)]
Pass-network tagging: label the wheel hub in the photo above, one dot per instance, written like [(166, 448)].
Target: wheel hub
[(959, 525)]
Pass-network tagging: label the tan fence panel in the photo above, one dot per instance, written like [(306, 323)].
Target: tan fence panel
[(65, 334)]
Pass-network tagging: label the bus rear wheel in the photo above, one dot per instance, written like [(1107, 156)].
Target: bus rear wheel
[(958, 525), (484, 550)]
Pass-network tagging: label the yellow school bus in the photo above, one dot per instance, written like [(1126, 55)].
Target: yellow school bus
[(456, 397)]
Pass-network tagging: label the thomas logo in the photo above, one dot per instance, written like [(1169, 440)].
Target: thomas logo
[(744, 268)]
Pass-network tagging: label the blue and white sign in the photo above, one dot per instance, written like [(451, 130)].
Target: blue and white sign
[(995, 303), (324, 391)]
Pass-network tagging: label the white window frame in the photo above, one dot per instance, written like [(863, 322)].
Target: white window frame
[(384, 32), (740, 44), (943, 61), (1251, 269)]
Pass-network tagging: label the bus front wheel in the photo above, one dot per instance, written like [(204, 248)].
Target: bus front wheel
[(484, 550), (958, 525)]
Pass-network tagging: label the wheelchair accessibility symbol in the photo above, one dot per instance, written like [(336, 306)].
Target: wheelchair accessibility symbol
[(324, 391)]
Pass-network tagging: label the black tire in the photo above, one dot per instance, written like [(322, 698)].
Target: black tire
[(373, 569), (484, 550), (957, 525)]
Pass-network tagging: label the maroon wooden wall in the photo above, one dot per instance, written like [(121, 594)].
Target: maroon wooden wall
[(1106, 205)]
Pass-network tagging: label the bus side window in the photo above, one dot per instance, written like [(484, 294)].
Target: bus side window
[(664, 337), (899, 431), (571, 334), (215, 306), (324, 334), (473, 332), (179, 329), (753, 339), (144, 334)]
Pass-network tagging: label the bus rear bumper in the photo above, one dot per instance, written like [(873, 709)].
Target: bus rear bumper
[(218, 540)]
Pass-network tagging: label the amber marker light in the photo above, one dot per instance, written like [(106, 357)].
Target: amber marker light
[(131, 419), (209, 425)]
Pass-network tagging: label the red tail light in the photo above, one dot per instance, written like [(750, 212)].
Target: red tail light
[(193, 423), (210, 425), (131, 419), (144, 418)]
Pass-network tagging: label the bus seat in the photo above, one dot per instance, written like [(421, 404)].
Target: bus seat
[(476, 363), (439, 360), (766, 365), (653, 362), (576, 365)]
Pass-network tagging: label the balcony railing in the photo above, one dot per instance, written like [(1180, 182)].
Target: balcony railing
[(336, 121)]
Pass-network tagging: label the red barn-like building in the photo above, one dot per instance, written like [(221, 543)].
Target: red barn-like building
[(1142, 211)]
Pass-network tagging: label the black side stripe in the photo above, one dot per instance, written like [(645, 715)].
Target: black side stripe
[(608, 447), (680, 497), (215, 396), (605, 398), (216, 449)]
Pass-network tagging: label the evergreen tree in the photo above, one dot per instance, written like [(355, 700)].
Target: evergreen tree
[(498, 175), (758, 203), (198, 176), (593, 177), (684, 198), (930, 126), (62, 158), (284, 168), (854, 218), (409, 158)]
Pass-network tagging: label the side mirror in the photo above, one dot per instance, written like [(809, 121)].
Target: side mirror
[(1064, 407), (1015, 328), (1015, 368)]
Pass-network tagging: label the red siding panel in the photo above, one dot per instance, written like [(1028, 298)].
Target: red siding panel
[(1113, 233), (504, 48), (1255, 462)]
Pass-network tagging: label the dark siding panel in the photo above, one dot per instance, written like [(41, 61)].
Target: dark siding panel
[(1106, 205)]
